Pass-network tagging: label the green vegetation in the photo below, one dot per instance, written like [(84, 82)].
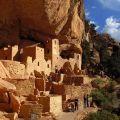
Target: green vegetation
[(107, 100), (114, 63), (101, 56), (99, 81), (102, 115), (86, 54), (108, 50), (104, 100), (106, 97)]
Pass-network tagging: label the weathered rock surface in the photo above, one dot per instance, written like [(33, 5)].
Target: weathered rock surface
[(15, 102), (4, 72), (40, 20), (6, 86), (2, 116)]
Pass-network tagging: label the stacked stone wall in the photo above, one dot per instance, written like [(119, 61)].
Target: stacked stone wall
[(16, 69), (23, 86), (56, 104)]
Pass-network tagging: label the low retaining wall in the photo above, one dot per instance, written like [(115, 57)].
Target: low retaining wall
[(23, 86), (16, 69)]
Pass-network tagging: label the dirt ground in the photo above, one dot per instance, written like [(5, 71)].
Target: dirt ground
[(77, 115)]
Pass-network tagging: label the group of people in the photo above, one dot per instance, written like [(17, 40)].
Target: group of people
[(87, 101), (74, 105)]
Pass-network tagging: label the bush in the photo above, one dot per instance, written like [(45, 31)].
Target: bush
[(104, 98), (99, 81), (98, 97), (111, 87), (102, 115), (86, 54)]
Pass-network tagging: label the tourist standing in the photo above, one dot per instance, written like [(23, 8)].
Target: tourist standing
[(76, 104), (85, 101), (71, 107), (90, 100)]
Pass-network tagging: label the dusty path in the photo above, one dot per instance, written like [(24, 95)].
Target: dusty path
[(78, 115), (67, 115)]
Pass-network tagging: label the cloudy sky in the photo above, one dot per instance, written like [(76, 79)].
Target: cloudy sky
[(105, 14)]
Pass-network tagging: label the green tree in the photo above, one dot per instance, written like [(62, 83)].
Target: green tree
[(106, 97), (114, 63), (86, 54)]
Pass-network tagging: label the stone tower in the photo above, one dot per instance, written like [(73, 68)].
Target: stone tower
[(52, 53)]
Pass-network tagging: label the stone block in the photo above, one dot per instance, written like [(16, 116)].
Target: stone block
[(51, 104), (42, 84), (58, 89), (29, 109), (77, 80), (56, 104)]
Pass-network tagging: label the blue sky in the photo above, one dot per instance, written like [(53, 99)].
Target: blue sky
[(105, 14)]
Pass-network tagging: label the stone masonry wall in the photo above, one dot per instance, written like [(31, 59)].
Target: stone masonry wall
[(51, 104), (4, 72), (77, 80), (16, 69), (9, 53), (78, 91), (56, 104), (42, 65), (24, 86), (45, 102)]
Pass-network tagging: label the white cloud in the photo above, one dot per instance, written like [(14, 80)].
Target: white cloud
[(92, 22), (111, 4), (97, 26), (113, 27)]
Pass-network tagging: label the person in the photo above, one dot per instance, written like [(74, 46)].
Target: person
[(76, 104), (102, 73), (85, 101), (71, 107), (90, 100)]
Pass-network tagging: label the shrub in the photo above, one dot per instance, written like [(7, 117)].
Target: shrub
[(104, 99), (111, 87), (99, 81), (98, 97), (102, 115)]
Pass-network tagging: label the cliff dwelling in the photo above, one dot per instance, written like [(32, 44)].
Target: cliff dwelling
[(41, 58), (43, 71)]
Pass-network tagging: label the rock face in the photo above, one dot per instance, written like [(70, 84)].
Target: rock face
[(6, 86), (41, 19), (4, 72)]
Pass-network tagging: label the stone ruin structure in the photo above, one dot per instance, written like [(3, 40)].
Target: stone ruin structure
[(40, 56), (43, 77), (29, 58)]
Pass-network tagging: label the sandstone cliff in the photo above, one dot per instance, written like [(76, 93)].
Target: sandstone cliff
[(40, 20)]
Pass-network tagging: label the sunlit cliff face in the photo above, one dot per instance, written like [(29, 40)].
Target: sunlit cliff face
[(41, 19)]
